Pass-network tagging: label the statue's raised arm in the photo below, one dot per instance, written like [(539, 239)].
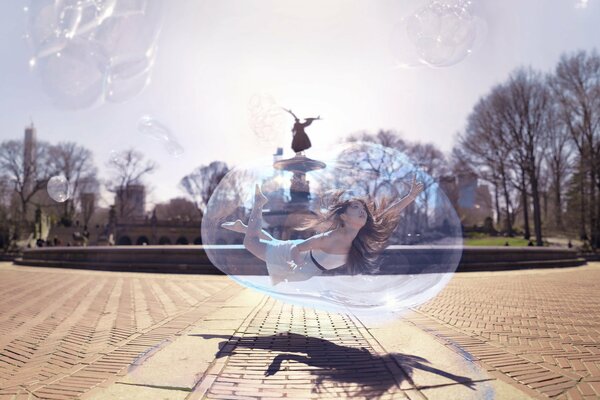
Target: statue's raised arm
[(291, 112), (312, 119)]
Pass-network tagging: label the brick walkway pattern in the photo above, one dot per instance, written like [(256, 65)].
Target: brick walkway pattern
[(64, 332), (541, 329), (291, 351)]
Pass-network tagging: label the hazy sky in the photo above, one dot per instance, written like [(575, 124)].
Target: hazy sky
[(335, 58)]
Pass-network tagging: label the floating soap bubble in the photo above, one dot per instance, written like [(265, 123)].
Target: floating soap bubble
[(267, 119), (157, 131), (153, 128), (440, 34), (418, 258), (59, 188), (75, 77), (112, 42), (131, 36), (174, 148), (52, 23)]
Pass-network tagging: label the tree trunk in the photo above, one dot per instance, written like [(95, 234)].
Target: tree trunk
[(557, 202), (497, 201), (583, 230), (537, 215), (508, 213), (544, 199), (23, 225), (594, 234), (527, 233)]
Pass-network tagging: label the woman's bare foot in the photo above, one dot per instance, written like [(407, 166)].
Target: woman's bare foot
[(259, 198), (236, 226)]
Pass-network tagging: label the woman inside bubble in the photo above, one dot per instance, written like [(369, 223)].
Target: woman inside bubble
[(358, 229)]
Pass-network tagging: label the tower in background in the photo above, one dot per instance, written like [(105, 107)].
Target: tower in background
[(29, 152)]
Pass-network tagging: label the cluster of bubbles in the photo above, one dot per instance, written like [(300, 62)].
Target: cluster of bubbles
[(422, 252), (439, 34), (59, 188), (91, 51), (267, 119), (157, 131)]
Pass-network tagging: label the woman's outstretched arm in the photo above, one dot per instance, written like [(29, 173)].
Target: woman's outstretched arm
[(415, 190)]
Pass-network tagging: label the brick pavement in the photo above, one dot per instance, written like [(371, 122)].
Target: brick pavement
[(539, 328), (295, 352), (63, 332)]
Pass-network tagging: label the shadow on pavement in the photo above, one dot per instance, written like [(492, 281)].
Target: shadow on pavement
[(336, 365)]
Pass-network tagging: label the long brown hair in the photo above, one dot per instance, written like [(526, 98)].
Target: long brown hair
[(371, 238)]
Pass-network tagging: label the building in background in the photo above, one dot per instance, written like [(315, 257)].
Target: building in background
[(471, 200)]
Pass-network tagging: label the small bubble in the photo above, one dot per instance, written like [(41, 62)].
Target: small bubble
[(174, 149), (149, 126), (59, 188), (153, 128)]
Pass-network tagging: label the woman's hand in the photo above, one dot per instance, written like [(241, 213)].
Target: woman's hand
[(416, 188)]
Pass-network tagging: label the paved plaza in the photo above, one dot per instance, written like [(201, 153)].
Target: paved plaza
[(67, 334)]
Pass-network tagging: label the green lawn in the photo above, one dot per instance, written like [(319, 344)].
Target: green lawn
[(495, 241)]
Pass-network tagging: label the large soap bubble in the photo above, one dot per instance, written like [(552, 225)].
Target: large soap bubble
[(59, 188), (439, 34), (91, 51), (419, 258), (75, 76)]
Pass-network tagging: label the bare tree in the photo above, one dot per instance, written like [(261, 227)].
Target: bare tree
[(523, 104), (576, 86), (5, 194), (202, 182), (386, 138), (482, 147), (559, 160), (577, 195), (27, 173), (429, 158), (75, 163), (127, 168)]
